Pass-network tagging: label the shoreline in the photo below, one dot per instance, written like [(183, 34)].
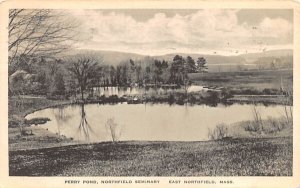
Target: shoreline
[(54, 155), (41, 135), (235, 99)]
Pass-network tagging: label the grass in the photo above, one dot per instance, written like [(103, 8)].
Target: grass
[(40, 138), (267, 128), (16, 112), (232, 157), (270, 79), (269, 99), (36, 137), (31, 104)]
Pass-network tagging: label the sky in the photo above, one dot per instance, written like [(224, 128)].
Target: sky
[(163, 31)]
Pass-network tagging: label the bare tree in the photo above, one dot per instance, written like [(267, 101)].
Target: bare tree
[(40, 32), (258, 123), (114, 130), (84, 69), (288, 105)]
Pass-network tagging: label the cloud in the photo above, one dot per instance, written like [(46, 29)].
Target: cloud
[(205, 30), (276, 28)]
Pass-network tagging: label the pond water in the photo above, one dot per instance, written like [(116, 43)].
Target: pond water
[(120, 91), (152, 122)]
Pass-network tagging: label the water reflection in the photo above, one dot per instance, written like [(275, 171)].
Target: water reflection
[(154, 122), (61, 118), (84, 130), (121, 91)]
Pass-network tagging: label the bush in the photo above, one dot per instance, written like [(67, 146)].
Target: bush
[(13, 123), (171, 99), (192, 99), (213, 97), (275, 124), (268, 91), (220, 132), (181, 100), (36, 121), (226, 94), (252, 127), (113, 99)]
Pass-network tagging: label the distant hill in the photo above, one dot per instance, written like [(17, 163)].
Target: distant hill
[(211, 59), (251, 57), (109, 57), (215, 62)]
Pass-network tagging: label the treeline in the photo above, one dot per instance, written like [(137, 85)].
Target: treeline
[(153, 71), (42, 76)]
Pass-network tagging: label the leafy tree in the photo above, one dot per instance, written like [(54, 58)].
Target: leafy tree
[(20, 63), (147, 75), (118, 75), (71, 87), (112, 75), (178, 70), (201, 65), (41, 78), (191, 65), (125, 77), (132, 70), (157, 71), (58, 85), (138, 73)]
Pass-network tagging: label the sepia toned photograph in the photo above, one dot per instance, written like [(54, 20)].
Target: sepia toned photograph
[(150, 92)]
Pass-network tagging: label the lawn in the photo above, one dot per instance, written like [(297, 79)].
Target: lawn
[(18, 108), (227, 157), (259, 80), (30, 104), (38, 137)]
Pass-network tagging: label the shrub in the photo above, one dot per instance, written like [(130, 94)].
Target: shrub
[(36, 121), (171, 99), (192, 99), (220, 132), (113, 99), (275, 125), (252, 127), (112, 126), (226, 93), (213, 97), (268, 91)]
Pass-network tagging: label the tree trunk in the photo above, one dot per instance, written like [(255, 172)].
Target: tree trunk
[(82, 98)]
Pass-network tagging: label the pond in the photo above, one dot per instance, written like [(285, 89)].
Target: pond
[(151, 122), (121, 91)]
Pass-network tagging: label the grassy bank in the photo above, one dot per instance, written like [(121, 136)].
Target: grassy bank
[(30, 104), (231, 157), (263, 99), (269, 128), (259, 80), (35, 137)]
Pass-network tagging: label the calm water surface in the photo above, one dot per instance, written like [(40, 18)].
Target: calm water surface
[(120, 91), (146, 122)]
